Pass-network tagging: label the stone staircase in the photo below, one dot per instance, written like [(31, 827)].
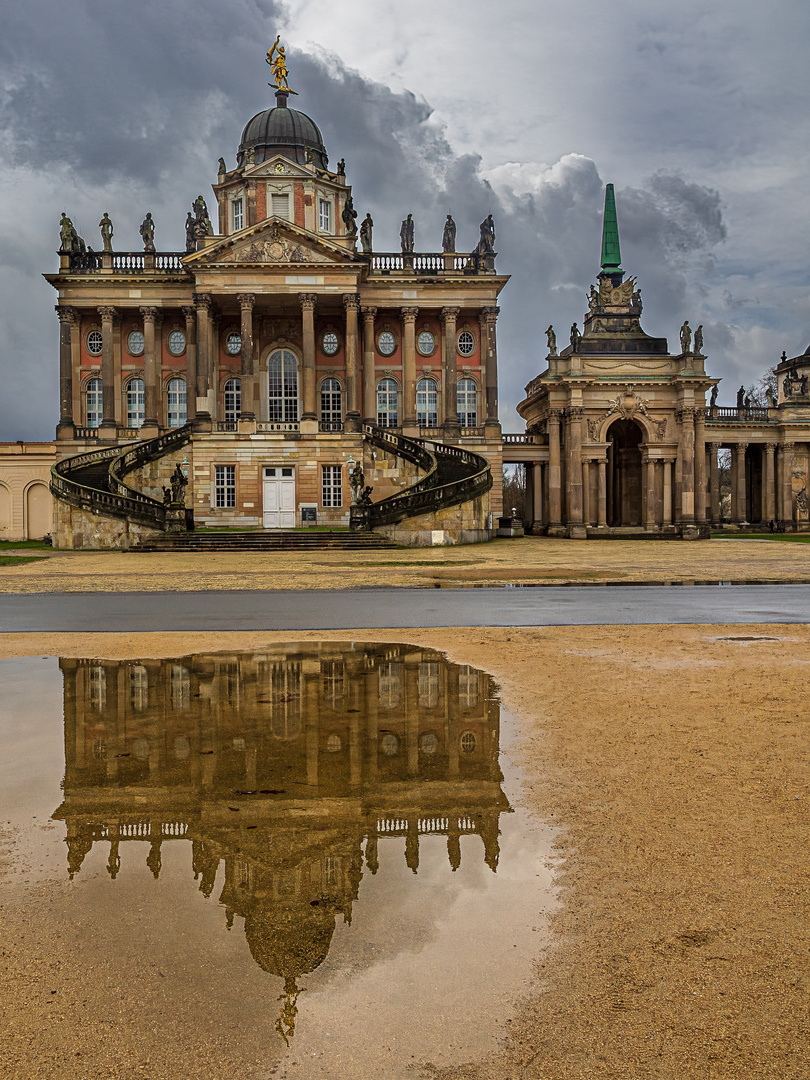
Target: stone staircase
[(267, 540)]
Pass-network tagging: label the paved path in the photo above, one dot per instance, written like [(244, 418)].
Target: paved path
[(402, 608)]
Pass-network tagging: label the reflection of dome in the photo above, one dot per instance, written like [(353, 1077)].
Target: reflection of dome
[(282, 130), (289, 943)]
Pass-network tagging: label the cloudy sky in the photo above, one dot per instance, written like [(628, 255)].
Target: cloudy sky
[(697, 113)]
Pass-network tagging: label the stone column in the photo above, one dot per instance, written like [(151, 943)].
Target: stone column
[(351, 302), (528, 498), (537, 480), (768, 488), (202, 302), (307, 302), (601, 494), (409, 365), (714, 482), (667, 508), (700, 465), (574, 471), (787, 484), (554, 472), (489, 350), (247, 408), (586, 493), (739, 469), (650, 517), (151, 370), (107, 370), (191, 361), (369, 374), (686, 454), (450, 374), (65, 429)]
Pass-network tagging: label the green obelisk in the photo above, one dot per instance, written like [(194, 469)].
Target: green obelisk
[(611, 255)]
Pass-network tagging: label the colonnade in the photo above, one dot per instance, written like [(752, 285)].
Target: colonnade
[(761, 481)]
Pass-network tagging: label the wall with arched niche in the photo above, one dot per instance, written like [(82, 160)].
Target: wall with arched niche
[(26, 503)]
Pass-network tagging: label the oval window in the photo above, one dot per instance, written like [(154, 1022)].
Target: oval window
[(386, 343), (233, 344), (330, 343), (389, 744), (333, 744), (468, 742), (177, 342), (466, 343), (135, 342), (426, 343), (428, 743), (95, 343)]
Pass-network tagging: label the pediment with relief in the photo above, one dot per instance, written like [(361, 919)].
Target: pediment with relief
[(272, 243), (274, 247)]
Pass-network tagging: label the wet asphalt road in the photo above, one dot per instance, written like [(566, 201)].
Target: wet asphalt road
[(403, 608)]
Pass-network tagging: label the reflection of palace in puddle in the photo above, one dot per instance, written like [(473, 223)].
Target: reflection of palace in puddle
[(281, 764)]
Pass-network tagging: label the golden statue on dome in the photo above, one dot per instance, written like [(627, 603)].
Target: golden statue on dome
[(277, 59)]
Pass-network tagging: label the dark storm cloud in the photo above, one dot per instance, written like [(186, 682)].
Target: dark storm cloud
[(121, 108)]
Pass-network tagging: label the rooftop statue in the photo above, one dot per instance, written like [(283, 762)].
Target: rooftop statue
[(221, 166), (191, 243), (699, 340), (277, 59), (106, 227), (740, 397), (576, 337), (686, 337), (202, 222), (147, 231), (713, 400), (486, 243), (341, 167), (449, 236), (349, 216), (406, 235), (551, 338), (366, 226)]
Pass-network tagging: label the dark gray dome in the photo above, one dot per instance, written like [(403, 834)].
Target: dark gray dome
[(282, 131)]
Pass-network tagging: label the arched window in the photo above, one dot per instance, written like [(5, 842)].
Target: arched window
[(136, 393), (233, 400), (467, 403), (331, 402), (282, 371), (427, 414), (387, 403), (93, 403), (176, 403)]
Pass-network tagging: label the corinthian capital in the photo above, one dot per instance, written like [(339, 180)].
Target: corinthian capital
[(307, 300), (351, 300), (409, 314), (107, 313), (246, 300)]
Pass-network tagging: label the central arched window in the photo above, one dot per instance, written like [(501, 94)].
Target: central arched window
[(331, 402), (136, 402), (176, 403), (233, 400), (467, 403), (387, 403), (427, 410), (282, 372), (93, 403)]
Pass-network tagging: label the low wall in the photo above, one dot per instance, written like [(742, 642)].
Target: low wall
[(468, 523), (76, 528)]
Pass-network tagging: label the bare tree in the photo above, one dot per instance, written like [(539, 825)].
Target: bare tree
[(514, 489), (765, 385)]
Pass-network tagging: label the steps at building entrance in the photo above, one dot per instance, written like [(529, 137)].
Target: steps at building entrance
[(267, 540)]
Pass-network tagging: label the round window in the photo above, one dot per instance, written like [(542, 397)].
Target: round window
[(177, 342), (426, 343), (330, 343), (135, 342), (468, 742), (95, 343), (466, 343), (428, 744), (233, 344), (333, 744), (389, 744), (386, 343)]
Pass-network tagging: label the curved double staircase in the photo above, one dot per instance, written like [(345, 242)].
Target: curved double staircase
[(94, 481)]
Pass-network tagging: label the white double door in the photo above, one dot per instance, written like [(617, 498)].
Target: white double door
[(278, 497)]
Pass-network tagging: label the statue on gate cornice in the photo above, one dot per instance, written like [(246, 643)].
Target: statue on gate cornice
[(449, 236)]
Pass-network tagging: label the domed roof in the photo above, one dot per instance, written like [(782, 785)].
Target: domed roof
[(285, 131)]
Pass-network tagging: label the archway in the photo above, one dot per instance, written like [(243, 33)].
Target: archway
[(624, 471), (38, 512), (5, 513)]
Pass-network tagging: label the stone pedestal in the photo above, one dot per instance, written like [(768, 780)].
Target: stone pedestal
[(176, 518), (246, 425)]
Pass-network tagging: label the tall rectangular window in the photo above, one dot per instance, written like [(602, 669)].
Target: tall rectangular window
[(176, 403), (324, 217), (281, 206), (224, 486), (332, 486), (238, 214)]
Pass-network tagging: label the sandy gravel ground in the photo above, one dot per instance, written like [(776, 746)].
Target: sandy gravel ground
[(531, 559), (675, 762)]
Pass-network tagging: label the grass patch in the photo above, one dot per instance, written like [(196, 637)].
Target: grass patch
[(16, 560), (13, 545), (785, 538)]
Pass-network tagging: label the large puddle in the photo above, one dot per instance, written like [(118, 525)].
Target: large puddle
[(314, 856)]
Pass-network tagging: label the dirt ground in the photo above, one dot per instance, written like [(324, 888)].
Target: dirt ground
[(674, 761), (527, 560)]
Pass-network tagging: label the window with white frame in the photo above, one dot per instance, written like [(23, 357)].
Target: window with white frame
[(98, 688), (136, 402), (282, 372), (180, 687), (331, 402), (280, 205), (467, 403), (138, 687), (238, 214), (93, 403), (224, 486), (233, 400), (176, 403), (387, 403), (332, 486), (324, 215), (427, 409)]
